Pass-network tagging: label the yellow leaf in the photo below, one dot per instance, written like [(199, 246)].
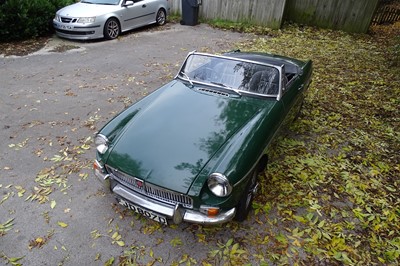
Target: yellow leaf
[(53, 204), (109, 262), (115, 235), (63, 225), (85, 147), (120, 243)]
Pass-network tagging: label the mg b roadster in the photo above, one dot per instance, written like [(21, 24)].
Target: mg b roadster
[(191, 151)]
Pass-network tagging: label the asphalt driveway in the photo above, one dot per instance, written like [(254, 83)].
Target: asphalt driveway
[(51, 104)]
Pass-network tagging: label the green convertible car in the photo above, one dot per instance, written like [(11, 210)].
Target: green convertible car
[(191, 151)]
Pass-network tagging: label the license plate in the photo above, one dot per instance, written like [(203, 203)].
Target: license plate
[(63, 27), (149, 214)]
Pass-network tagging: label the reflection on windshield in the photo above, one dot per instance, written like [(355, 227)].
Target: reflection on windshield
[(101, 2), (238, 75)]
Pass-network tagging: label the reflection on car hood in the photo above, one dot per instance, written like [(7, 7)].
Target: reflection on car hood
[(171, 139), (86, 10)]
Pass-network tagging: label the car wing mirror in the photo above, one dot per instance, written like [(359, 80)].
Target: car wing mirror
[(128, 3)]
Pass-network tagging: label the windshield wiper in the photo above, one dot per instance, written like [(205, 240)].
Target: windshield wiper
[(227, 87), (187, 77)]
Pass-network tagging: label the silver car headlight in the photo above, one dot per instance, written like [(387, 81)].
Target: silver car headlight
[(57, 18), (101, 143), (87, 20), (219, 185)]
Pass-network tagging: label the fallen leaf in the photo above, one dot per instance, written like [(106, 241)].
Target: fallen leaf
[(62, 224)]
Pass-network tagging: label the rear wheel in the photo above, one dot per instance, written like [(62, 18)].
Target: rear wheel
[(161, 17), (244, 205), (299, 111), (111, 29)]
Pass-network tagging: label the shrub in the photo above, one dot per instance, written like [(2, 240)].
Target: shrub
[(23, 19)]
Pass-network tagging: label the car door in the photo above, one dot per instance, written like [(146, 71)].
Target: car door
[(134, 15), (292, 98)]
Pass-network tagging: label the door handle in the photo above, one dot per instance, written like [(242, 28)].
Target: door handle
[(143, 6)]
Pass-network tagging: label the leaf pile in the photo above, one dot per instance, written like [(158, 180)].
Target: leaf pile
[(333, 180)]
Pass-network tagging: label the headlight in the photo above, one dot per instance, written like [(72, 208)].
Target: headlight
[(86, 20), (101, 143), (219, 185), (57, 18)]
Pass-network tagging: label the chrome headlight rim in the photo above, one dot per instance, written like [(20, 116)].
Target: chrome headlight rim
[(219, 185), (101, 143)]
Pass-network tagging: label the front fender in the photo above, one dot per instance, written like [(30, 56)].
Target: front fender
[(239, 156)]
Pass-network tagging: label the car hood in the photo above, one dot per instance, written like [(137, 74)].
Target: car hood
[(171, 139), (86, 10)]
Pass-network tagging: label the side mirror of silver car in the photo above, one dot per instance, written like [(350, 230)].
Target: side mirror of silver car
[(128, 3)]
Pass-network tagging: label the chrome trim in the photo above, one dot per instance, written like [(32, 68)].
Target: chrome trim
[(176, 213), (103, 146), (101, 175), (279, 68), (146, 203), (197, 217), (150, 190), (221, 181)]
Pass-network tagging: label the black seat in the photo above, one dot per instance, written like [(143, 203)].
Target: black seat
[(264, 82)]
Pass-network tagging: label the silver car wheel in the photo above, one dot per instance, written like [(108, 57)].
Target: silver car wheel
[(111, 29), (161, 17)]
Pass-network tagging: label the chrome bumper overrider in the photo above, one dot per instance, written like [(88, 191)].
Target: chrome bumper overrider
[(177, 214)]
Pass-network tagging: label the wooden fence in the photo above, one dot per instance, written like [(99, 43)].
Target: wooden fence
[(347, 15), (386, 14), (268, 13)]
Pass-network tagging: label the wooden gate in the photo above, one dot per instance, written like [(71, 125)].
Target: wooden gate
[(386, 15)]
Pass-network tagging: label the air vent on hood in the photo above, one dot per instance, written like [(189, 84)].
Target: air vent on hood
[(215, 92)]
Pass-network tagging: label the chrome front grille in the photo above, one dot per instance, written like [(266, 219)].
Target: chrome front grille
[(150, 190), (68, 20)]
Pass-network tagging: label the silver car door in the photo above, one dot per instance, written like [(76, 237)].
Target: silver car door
[(133, 14)]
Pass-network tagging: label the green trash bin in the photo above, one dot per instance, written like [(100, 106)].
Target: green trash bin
[(190, 12)]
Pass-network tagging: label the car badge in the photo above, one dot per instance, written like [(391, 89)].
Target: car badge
[(139, 183)]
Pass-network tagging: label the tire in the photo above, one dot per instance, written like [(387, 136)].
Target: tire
[(298, 111), (245, 203), (161, 17), (111, 29)]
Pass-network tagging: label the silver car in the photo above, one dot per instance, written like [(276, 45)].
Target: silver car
[(94, 19)]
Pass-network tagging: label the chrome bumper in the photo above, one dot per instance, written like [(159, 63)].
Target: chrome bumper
[(177, 213)]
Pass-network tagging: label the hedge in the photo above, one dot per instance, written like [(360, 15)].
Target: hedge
[(24, 19)]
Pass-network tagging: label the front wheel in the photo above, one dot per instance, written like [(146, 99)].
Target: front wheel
[(244, 205), (111, 29), (161, 17)]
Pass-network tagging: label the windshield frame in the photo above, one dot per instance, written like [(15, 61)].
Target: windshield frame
[(183, 76)]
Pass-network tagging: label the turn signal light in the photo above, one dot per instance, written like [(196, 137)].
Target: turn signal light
[(212, 212)]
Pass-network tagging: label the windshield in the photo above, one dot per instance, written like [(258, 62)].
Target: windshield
[(231, 73), (101, 2)]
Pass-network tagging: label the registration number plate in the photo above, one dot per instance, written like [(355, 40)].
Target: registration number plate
[(149, 214), (59, 26)]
